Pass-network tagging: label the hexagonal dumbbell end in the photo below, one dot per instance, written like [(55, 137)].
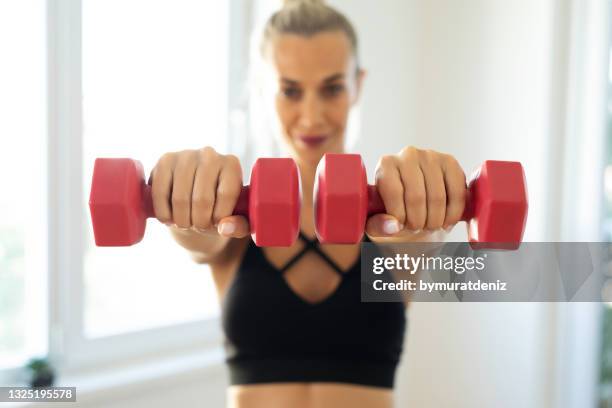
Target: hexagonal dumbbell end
[(120, 202), (340, 198), (496, 210), (117, 202), (275, 199)]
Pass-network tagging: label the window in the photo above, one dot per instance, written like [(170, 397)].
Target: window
[(22, 169)]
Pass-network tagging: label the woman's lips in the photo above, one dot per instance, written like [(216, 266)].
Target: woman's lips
[(312, 140)]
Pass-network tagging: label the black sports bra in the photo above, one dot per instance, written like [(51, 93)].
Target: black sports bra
[(273, 335)]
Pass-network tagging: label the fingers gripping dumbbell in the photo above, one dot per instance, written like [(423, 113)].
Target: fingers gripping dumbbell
[(496, 207), (120, 202)]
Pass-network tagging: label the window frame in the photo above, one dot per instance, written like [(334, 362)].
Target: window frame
[(581, 42), (73, 351)]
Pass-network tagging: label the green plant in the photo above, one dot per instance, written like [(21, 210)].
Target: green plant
[(41, 372)]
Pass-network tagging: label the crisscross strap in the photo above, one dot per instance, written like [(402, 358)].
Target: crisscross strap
[(314, 245)]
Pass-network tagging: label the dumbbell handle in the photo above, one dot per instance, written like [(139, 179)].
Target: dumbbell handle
[(377, 206), (241, 208)]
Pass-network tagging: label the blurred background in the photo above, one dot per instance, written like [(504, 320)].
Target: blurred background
[(525, 80)]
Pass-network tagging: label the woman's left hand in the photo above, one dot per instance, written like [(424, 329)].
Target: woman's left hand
[(421, 190)]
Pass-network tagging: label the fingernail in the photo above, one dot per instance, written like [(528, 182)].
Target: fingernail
[(416, 231), (447, 228), (226, 228), (391, 227)]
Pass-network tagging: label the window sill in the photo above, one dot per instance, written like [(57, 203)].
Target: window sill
[(116, 382)]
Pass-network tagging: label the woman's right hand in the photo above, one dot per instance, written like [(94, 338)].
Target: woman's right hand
[(197, 190)]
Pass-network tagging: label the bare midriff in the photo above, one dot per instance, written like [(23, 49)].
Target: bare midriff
[(308, 395)]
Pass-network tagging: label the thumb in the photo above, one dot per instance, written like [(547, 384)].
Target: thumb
[(234, 226), (383, 225)]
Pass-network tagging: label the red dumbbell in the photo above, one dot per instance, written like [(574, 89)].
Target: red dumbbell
[(496, 210), (120, 202)]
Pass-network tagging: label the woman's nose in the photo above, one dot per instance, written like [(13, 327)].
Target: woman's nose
[(311, 112)]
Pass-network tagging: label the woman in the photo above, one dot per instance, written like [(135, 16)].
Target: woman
[(297, 334)]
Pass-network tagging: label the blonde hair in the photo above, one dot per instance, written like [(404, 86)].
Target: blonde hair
[(307, 18)]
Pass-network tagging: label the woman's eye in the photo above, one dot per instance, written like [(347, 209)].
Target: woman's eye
[(292, 93), (333, 89)]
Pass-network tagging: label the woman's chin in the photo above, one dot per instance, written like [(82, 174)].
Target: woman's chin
[(315, 154), (310, 156), (318, 147)]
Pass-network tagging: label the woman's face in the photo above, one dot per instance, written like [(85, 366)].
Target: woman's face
[(316, 82)]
